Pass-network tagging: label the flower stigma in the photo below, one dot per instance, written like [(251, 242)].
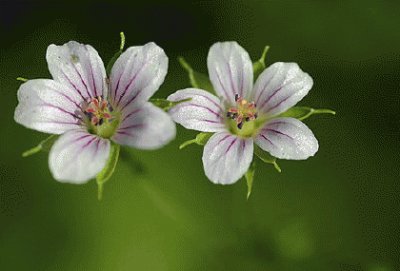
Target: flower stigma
[(242, 115), (101, 119), (244, 111)]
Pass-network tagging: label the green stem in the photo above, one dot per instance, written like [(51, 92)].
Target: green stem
[(187, 143)]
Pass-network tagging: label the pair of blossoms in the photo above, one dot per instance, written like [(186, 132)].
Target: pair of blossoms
[(93, 111)]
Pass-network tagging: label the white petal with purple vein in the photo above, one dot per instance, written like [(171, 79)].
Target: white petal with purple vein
[(202, 113), (226, 158), (230, 70), (137, 74), (287, 138), (145, 127), (47, 106), (78, 66), (279, 87), (77, 156)]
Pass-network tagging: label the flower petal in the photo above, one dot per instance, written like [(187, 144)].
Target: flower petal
[(137, 74), (145, 127), (202, 113), (280, 87), (226, 158), (77, 156), (230, 70), (47, 106), (78, 66), (287, 138)]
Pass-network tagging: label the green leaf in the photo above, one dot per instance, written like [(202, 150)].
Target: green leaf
[(108, 170), (201, 139), (266, 157), (45, 146), (302, 112), (197, 79), (117, 54), (249, 175), (259, 65), (165, 104)]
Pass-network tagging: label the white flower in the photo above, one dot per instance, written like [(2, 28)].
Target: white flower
[(88, 110), (245, 114)]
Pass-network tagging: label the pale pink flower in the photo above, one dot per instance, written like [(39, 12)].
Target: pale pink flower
[(89, 111), (243, 114)]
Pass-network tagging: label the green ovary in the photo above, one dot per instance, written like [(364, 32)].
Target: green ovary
[(249, 128), (105, 130)]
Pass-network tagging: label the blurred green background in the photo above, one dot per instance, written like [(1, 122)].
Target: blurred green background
[(337, 211)]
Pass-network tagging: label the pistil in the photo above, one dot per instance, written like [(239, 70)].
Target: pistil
[(101, 119), (244, 111)]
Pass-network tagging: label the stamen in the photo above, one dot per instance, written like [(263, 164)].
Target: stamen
[(243, 111), (98, 110)]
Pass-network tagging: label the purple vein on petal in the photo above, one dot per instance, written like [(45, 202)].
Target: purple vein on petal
[(68, 98), (137, 125), (230, 145), (263, 88), (82, 81), (129, 85), (209, 99), (223, 139), (92, 75), (278, 104), (72, 84), (202, 106), (117, 87), (80, 150), (74, 140), (231, 79), (241, 82), (131, 100), (223, 88), (131, 114), (265, 85), (62, 110), (263, 136), (270, 96), (211, 121), (277, 132), (125, 133), (61, 122), (97, 146)]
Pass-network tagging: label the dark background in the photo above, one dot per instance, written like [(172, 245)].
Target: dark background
[(337, 211)]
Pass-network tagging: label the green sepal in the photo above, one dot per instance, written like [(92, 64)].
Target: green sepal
[(166, 105), (45, 146), (303, 112), (266, 158), (108, 170), (117, 54), (201, 139), (196, 79), (249, 175), (259, 65), (22, 79)]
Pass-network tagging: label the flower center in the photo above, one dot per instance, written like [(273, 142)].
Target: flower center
[(100, 117), (242, 112), (243, 117)]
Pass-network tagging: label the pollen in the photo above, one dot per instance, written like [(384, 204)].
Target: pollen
[(98, 111), (244, 111)]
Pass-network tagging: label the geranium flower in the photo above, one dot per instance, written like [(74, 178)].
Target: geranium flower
[(90, 110), (243, 114)]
